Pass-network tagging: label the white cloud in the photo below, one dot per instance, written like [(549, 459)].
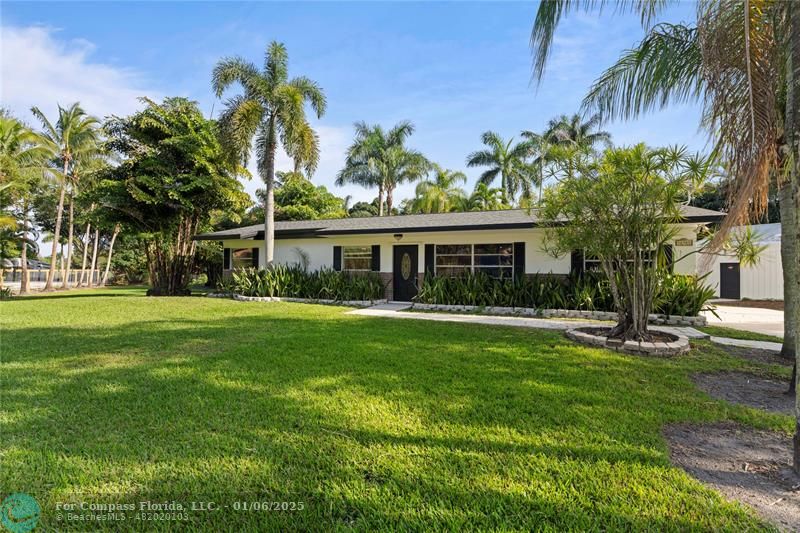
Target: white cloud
[(37, 69)]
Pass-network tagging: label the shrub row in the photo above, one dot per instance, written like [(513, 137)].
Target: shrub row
[(677, 294), (295, 282)]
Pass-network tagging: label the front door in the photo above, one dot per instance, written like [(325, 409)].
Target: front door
[(729, 281), (404, 273)]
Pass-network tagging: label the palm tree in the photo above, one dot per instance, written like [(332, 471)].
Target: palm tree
[(440, 194), (485, 198), (507, 160), (739, 61), (380, 159), (74, 136), (271, 110), (23, 156), (574, 131)]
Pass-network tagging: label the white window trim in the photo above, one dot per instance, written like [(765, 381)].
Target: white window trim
[(472, 267)]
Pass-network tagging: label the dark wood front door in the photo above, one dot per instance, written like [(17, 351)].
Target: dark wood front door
[(729, 283), (404, 274)]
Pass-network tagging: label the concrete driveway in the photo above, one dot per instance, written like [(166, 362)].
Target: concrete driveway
[(754, 319)]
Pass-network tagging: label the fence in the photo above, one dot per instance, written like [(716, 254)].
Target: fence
[(14, 275)]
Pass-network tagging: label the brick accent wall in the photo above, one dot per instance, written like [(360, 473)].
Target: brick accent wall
[(388, 288)]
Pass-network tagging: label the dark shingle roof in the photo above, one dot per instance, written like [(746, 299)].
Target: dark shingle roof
[(471, 220)]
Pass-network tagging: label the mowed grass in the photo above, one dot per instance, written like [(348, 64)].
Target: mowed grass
[(374, 424)]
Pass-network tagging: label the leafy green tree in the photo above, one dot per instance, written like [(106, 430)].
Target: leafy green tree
[(23, 158), (485, 198), (74, 137), (364, 209), (508, 160), (173, 177), (440, 194), (270, 110), (622, 210), (380, 159), (299, 199)]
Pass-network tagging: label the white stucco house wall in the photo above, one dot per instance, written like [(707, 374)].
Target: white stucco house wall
[(763, 281), (403, 248)]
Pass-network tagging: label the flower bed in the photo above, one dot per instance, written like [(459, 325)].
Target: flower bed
[(323, 301), (664, 345)]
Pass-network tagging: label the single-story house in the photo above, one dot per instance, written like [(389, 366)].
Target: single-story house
[(763, 281), (402, 248)]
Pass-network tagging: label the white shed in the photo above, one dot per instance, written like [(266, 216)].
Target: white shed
[(763, 281)]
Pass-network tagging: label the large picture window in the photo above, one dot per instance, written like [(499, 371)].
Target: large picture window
[(242, 258), (496, 260), (357, 258)]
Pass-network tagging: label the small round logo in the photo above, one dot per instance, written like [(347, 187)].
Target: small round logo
[(19, 512)]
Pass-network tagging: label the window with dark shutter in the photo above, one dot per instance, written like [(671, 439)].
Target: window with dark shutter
[(226, 258), (376, 257), (519, 259), (430, 259), (576, 262), (255, 257), (337, 258)]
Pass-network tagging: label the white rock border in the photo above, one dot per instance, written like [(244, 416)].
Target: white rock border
[(655, 319), (346, 303), (657, 349)]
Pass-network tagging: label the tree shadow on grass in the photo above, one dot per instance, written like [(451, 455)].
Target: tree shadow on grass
[(367, 418)]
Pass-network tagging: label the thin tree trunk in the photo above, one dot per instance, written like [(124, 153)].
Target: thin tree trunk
[(86, 242), (792, 126), (65, 281), (380, 201), (23, 284), (110, 251), (790, 271), (269, 209), (94, 257), (57, 233)]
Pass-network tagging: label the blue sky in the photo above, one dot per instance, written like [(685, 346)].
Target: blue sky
[(453, 69)]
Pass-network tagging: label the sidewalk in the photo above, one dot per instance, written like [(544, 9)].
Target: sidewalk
[(754, 319)]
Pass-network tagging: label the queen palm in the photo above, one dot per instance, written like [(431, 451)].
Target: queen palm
[(270, 110), (485, 198), (740, 61), (505, 159), (441, 193), (380, 159), (74, 137)]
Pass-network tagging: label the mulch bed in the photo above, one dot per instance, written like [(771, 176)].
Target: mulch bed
[(776, 305), (656, 336), (766, 393), (744, 464)]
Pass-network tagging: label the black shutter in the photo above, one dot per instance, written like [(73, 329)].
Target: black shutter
[(669, 255), (226, 258), (255, 257), (376, 257), (337, 258), (519, 259), (576, 262), (429, 259)]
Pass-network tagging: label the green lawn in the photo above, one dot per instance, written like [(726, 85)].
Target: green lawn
[(720, 331), (373, 424)]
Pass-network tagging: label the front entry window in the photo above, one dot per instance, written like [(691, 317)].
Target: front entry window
[(405, 266)]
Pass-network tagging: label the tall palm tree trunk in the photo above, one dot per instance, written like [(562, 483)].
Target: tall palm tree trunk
[(85, 241), (269, 208), (23, 284), (791, 231), (389, 200), (57, 233), (94, 257), (380, 201), (110, 252), (65, 280), (789, 262)]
